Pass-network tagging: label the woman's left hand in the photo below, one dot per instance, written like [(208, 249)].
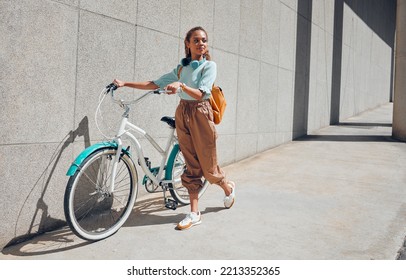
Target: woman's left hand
[(173, 88)]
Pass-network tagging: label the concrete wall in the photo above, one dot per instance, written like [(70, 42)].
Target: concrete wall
[(278, 65), (399, 112)]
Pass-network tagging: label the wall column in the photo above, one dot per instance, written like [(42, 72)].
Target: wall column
[(399, 102)]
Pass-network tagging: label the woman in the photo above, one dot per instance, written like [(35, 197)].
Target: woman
[(194, 120)]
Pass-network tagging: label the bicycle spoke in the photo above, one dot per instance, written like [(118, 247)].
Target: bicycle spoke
[(84, 215), (90, 180), (76, 209), (108, 178)]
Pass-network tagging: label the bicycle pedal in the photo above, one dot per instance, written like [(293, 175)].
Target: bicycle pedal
[(171, 204)]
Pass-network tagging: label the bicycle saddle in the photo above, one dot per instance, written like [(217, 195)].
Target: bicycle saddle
[(169, 120)]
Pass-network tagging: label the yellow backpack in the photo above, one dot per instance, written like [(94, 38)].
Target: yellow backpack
[(217, 101)]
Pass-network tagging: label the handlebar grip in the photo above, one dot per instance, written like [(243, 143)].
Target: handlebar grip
[(112, 87), (164, 91)]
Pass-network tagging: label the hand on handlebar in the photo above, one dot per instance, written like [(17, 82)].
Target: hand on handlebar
[(173, 88), (118, 83)]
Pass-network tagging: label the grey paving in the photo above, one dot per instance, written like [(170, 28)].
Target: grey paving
[(339, 194)]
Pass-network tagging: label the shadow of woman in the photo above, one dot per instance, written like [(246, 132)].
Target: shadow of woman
[(151, 211)]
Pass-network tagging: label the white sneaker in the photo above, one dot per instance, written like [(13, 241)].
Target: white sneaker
[(229, 200), (191, 219)]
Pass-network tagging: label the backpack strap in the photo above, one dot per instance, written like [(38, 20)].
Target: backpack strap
[(180, 70)]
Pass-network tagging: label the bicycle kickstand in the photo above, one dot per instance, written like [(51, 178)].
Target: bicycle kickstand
[(169, 203)]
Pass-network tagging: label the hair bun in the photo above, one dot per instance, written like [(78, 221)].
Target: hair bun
[(185, 61)]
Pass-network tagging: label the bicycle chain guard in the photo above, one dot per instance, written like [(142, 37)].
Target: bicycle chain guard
[(148, 184)]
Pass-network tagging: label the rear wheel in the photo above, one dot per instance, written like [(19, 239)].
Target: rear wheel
[(179, 192)]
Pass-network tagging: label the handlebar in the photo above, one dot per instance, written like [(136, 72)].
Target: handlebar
[(109, 89), (112, 87)]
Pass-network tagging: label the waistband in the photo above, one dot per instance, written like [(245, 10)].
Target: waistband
[(185, 101)]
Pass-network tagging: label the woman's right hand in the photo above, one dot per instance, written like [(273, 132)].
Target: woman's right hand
[(118, 83)]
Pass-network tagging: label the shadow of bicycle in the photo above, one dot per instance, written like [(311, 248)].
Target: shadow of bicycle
[(147, 211), (64, 239), (51, 242)]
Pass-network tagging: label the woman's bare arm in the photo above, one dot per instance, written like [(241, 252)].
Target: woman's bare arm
[(148, 85)]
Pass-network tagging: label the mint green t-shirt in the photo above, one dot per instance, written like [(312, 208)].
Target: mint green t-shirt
[(201, 76)]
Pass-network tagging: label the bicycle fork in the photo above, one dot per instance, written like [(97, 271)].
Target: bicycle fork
[(114, 165), (116, 158)]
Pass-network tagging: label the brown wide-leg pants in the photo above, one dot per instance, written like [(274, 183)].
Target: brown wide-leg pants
[(197, 140)]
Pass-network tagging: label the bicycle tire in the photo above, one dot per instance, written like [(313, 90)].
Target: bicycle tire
[(92, 213), (178, 191)]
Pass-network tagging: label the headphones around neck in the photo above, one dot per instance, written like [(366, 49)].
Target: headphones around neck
[(193, 63)]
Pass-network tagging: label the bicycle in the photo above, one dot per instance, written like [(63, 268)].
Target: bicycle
[(103, 185)]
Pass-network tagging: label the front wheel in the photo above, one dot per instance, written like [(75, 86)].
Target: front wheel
[(91, 211), (178, 191)]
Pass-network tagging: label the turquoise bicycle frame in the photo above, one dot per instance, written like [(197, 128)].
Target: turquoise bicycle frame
[(90, 150)]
